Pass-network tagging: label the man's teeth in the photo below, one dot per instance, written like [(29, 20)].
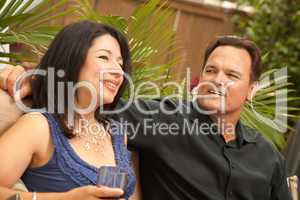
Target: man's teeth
[(216, 92)]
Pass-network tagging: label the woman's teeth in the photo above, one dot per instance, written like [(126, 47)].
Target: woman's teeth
[(110, 85)]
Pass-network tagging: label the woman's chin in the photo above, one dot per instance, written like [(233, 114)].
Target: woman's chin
[(108, 100)]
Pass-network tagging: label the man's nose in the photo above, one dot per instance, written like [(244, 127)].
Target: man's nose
[(220, 79)]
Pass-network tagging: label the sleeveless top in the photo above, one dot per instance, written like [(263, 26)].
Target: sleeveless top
[(66, 170)]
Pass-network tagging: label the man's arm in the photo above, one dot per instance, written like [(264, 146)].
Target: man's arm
[(133, 121)]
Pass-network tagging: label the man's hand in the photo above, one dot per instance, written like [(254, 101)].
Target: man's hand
[(10, 74)]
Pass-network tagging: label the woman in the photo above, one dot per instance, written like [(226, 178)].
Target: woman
[(62, 149)]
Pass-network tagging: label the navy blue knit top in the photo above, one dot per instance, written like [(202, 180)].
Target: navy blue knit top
[(66, 170)]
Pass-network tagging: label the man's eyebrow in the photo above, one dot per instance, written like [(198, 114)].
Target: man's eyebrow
[(235, 72), (209, 65)]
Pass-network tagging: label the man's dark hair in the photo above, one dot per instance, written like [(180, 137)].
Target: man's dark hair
[(68, 52), (249, 46)]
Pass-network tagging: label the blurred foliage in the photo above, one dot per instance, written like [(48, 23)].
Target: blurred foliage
[(275, 27), (269, 111), (29, 24)]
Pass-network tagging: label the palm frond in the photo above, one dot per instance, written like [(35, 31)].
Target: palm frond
[(271, 101), (21, 22), (274, 136)]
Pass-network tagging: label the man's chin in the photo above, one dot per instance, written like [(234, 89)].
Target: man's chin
[(210, 106)]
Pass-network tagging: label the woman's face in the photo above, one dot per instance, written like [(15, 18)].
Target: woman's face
[(103, 69)]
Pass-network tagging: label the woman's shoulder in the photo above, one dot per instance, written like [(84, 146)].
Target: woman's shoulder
[(30, 132), (34, 119), (33, 124)]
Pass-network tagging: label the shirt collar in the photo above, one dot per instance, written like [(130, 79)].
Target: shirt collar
[(243, 133)]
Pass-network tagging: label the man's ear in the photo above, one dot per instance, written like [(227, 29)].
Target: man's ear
[(252, 91)]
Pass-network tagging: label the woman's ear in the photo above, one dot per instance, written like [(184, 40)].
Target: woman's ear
[(252, 91)]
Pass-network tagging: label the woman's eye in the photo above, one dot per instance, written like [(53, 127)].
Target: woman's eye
[(103, 57)]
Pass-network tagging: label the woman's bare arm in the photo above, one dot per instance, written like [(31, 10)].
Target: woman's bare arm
[(19, 144), (9, 112)]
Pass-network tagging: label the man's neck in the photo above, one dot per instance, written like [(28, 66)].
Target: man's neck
[(227, 124)]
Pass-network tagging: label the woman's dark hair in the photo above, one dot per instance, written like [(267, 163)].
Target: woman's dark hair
[(68, 52), (249, 46)]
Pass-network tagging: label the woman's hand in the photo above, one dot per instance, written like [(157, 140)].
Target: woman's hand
[(81, 193), (94, 193)]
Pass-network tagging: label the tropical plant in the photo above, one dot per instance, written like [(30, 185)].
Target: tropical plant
[(275, 27), (268, 112), (28, 23)]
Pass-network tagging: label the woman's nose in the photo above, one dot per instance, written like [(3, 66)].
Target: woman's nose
[(116, 69), (112, 70)]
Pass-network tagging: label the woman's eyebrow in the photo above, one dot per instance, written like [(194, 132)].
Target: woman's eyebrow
[(106, 50)]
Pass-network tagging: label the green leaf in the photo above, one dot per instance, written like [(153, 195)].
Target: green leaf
[(6, 9), (145, 10), (14, 7), (13, 19), (2, 3), (42, 14), (24, 7), (53, 17)]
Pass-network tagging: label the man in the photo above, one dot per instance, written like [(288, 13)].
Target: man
[(200, 149)]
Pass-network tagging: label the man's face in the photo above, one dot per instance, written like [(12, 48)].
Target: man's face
[(226, 78)]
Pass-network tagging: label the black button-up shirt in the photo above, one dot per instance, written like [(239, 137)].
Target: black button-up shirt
[(181, 159)]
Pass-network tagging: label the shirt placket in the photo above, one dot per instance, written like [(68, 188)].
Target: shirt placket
[(231, 170)]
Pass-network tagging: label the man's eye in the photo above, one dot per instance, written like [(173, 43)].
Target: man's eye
[(233, 76), (209, 71), (103, 57)]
